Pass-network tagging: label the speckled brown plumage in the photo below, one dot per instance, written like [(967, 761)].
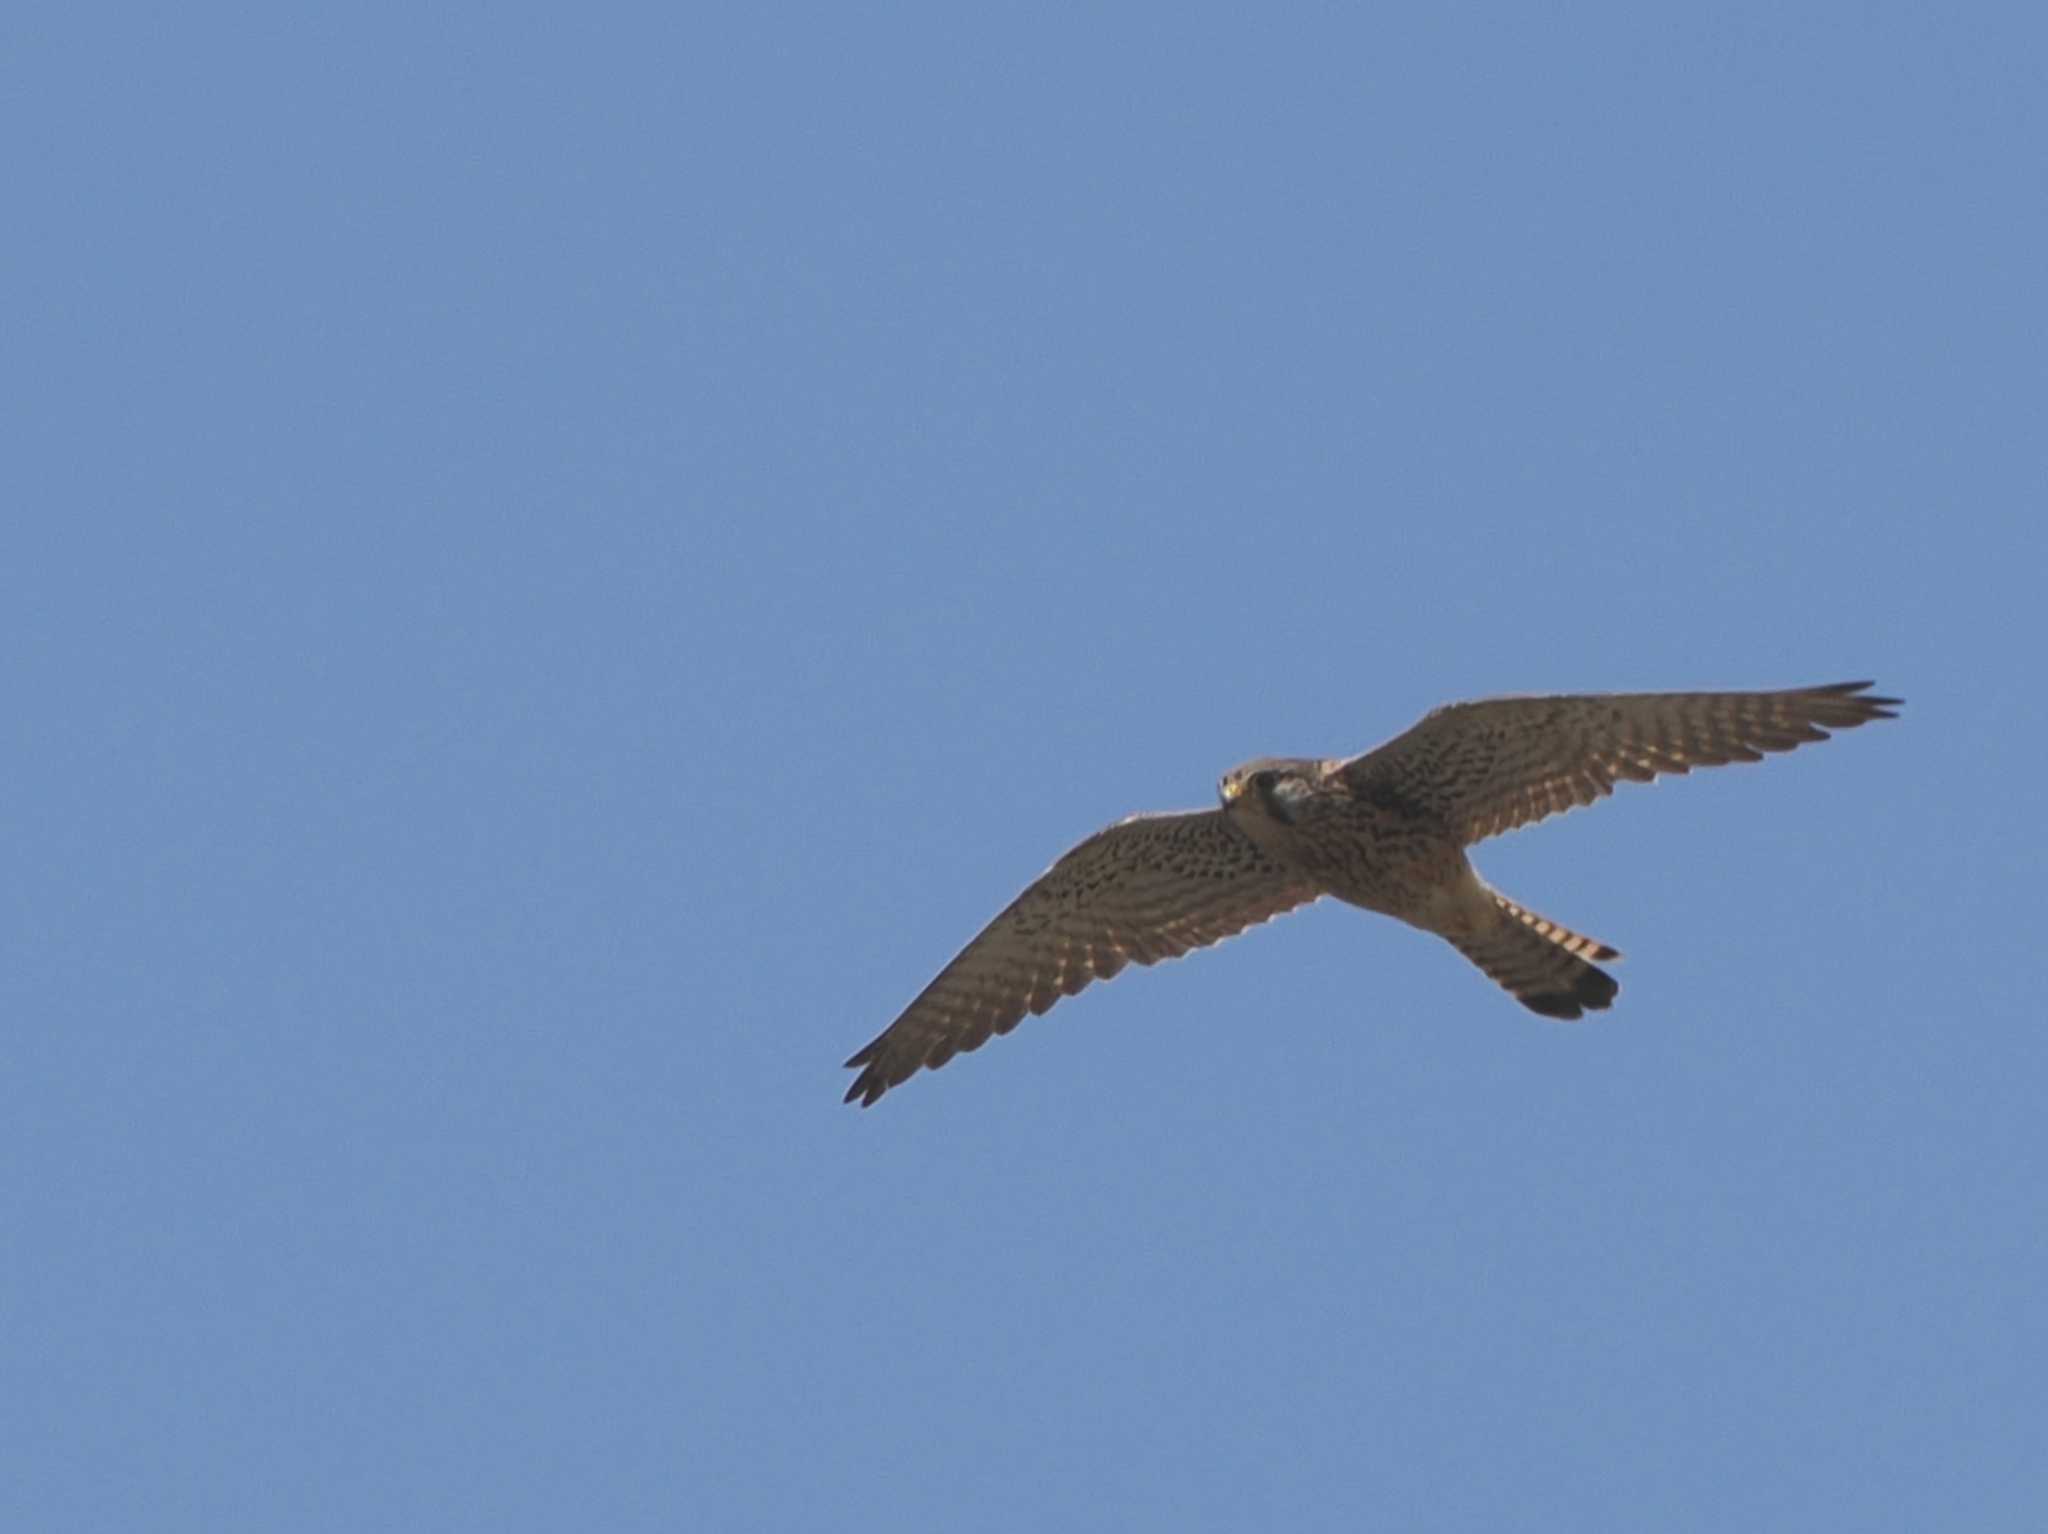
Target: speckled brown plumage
[(1385, 831)]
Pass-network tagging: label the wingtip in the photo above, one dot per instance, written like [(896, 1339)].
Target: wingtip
[(867, 1087), (1870, 705)]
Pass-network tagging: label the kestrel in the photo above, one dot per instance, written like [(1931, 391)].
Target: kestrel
[(1386, 831)]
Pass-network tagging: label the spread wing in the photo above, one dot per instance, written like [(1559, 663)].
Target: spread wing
[(1490, 766), (1148, 888)]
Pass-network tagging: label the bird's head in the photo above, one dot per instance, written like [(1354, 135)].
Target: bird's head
[(1277, 787)]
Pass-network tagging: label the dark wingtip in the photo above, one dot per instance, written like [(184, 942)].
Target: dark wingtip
[(1871, 705), (868, 1085), (871, 1083), (867, 1088)]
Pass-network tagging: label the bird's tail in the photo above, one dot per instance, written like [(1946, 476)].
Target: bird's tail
[(1545, 966)]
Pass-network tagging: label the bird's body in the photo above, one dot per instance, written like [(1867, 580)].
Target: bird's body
[(1379, 850), (1385, 831)]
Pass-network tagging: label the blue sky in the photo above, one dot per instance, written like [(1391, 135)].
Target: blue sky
[(558, 567)]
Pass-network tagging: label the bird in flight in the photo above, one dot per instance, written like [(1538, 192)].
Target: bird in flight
[(1386, 830)]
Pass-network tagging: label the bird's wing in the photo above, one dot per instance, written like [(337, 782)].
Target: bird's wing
[(1148, 888), (1490, 766)]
